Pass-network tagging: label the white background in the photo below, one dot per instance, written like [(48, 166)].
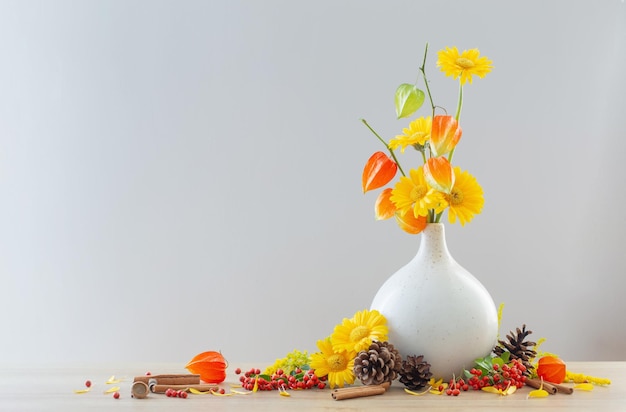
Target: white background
[(181, 176)]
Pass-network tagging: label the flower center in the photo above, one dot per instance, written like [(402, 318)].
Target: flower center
[(464, 63), (359, 333), (455, 197), (336, 363), (418, 192)]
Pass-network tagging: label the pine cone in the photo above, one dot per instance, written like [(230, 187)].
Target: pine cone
[(380, 363), (415, 372), (518, 348)]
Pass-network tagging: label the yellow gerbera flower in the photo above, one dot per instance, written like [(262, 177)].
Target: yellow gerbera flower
[(357, 334), (417, 132), (337, 365), (464, 65), (466, 198), (414, 193)]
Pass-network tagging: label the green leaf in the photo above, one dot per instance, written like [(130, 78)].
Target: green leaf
[(506, 356), (408, 99)]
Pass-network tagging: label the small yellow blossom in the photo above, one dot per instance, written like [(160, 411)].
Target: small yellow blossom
[(418, 132), (463, 65)]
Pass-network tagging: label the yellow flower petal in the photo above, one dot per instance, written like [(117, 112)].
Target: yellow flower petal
[(113, 389), (584, 386), (216, 393), (240, 392), (538, 393), (410, 392), (113, 380), (82, 390), (197, 392)]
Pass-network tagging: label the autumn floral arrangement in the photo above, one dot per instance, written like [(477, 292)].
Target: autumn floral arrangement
[(358, 348), (421, 196)]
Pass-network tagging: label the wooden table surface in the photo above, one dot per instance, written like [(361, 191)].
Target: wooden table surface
[(30, 388)]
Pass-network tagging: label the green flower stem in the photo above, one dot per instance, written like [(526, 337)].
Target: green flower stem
[(393, 155), (457, 116), (423, 70), (438, 218)]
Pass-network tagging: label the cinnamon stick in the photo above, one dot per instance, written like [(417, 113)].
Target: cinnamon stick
[(568, 390), (169, 379), (200, 387), (550, 387), (139, 390), (537, 383), (358, 392)]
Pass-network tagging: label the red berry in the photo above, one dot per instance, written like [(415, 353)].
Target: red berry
[(448, 392), (257, 371), (88, 383), (222, 391), (183, 394), (238, 371), (321, 385), (148, 373), (496, 367), (456, 392), (116, 395)]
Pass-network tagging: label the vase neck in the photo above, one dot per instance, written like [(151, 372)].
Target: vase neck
[(434, 240)]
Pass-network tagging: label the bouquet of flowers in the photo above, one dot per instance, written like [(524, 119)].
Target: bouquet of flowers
[(421, 196)]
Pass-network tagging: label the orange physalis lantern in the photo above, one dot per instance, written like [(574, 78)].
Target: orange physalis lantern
[(384, 207), (378, 171), (211, 366), (551, 369), (439, 174), (444, 135), (411, 224)]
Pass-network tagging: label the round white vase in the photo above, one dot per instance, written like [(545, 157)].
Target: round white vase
[(436, 308)]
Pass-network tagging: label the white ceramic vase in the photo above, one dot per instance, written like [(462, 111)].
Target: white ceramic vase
[(436, 308)]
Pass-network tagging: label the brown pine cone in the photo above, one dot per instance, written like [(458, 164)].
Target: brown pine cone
[(415, 372), (380, 363), (518, 347)]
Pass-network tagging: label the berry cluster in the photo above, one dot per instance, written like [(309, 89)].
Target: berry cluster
[(499, 376), (298, 379), (172, 393), (456, 386)]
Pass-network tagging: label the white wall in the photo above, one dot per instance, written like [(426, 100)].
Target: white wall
[(184, 176)]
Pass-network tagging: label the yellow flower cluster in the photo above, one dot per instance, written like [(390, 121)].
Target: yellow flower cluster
[(582, 378), (294, 359), (337, 351)]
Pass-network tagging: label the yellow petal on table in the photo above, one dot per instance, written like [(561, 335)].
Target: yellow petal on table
[(584, 386), (508, 391), (112, 380), (240, 392), (82, 390), (197, 392), (284, 393), (113, 389), (410, 392), (538, 393), (216, 393)]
